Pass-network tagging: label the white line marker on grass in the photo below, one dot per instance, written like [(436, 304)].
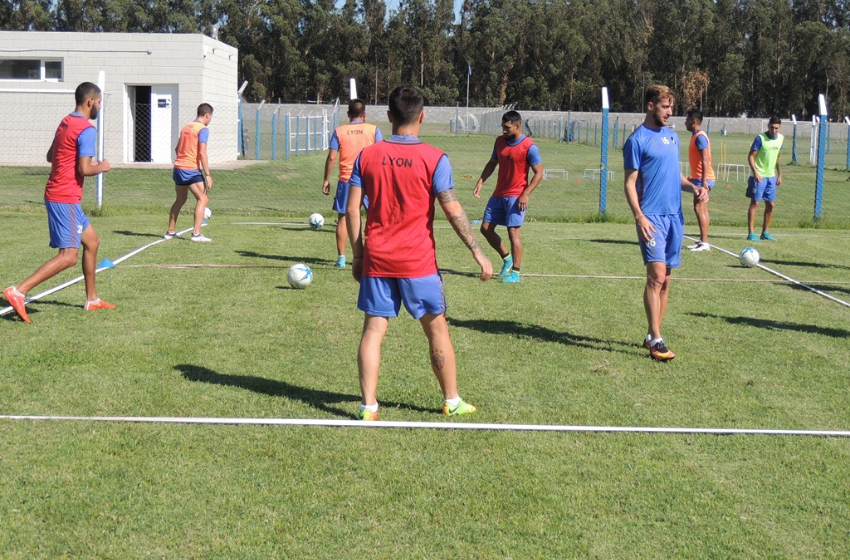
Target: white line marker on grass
[(431, 425), (73, 281), (788, 278)]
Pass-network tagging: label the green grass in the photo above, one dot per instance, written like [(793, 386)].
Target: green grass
[(228, 338)]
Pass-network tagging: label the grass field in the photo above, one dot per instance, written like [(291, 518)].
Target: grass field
[(224, 336)]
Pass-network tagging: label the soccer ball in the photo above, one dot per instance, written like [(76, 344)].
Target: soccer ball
[(317, 220), (207, 213), (749, 257), (299, 276)]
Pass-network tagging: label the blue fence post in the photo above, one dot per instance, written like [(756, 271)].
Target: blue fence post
[(257, 135), (794, 143), (623, 137), (847, 120), (286, 140), (596, 134), (616, 130), (821, 156), (603, 166), (274, 134), (568, 132), (297, 134)]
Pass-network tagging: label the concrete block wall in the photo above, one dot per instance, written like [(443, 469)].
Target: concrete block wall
[(202, 70)]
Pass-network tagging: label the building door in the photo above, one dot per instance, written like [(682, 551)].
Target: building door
[(164, 126), (139, 127)]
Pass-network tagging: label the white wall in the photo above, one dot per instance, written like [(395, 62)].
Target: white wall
[(202, 69)]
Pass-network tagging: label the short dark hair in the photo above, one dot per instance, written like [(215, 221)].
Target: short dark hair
[(511, 117), (405, 104), (356, 108), (657, 93), (84, 91), (774, 120), (695, 115), (204, 109)]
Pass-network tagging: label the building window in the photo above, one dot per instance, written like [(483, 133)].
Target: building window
[(31, 70)]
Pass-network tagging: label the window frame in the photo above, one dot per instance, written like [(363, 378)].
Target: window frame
[(42, 70)]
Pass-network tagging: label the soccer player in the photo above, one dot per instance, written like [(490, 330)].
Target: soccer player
[(347, 141), (71, 158), (515, 154), (188, 174), (766, 178), (702, 174), (395, 259), (653, 186)]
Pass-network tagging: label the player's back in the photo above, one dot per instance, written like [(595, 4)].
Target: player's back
[(397, 175), (352, 138)]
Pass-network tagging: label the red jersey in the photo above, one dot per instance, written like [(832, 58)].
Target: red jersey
[(399, 235), (513, 166), (65, 183), (352, 139)]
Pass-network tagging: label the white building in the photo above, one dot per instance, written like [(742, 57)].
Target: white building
[(153, 86)]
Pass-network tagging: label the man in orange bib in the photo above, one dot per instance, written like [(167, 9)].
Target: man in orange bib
[(188, 176), (347, 142), (702, 174)]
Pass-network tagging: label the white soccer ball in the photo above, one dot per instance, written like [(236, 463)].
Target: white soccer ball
[(207, 213), (749, 257), (299, 276), (317, 220)]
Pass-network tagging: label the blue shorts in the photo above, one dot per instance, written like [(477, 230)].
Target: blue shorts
[(698, 182), (186, 177), (763, 190), (669, 231), (382, 297), (66, 222), (341, 198), (504, 211)]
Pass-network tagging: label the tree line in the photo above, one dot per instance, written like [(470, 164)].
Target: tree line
[(725, 57)]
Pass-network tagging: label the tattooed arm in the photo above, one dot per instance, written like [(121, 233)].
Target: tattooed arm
[(457, 217)]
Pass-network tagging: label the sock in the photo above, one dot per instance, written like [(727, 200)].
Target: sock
[(453, 402), (516, 269), (655, 341), (370, 407), (94, 301), (648, 338), (17, 292), (507, 258)]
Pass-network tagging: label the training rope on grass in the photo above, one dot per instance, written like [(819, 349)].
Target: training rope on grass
[(788, 278), (433, 425), (104, 265)]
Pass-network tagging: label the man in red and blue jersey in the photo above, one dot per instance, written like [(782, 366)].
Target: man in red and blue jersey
[(71, 156), (515, 154), (395, 258), (347, 141), (653, 186), (192, 172)]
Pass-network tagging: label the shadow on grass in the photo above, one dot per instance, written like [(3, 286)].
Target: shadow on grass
[(824, 288), (544, 334), (777, 325), (613, 241), (316, 398), (802, 263), (287, 258), (134, 234)]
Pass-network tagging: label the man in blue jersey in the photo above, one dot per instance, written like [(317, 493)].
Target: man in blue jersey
[(654, 185)]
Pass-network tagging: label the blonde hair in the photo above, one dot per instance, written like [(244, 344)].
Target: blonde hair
[(657, 93)]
